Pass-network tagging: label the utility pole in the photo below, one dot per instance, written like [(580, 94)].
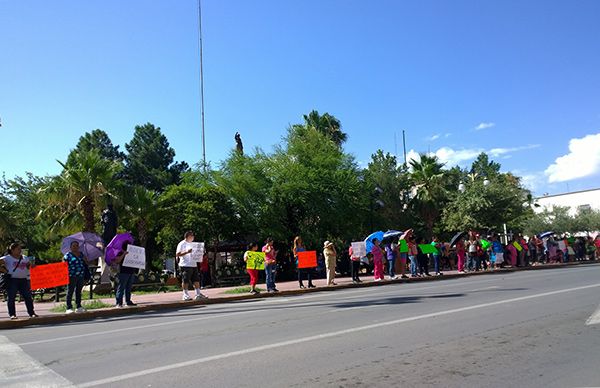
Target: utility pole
[(404, 146), (201, 84)]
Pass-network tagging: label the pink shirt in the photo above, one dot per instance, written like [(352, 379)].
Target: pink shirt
[(377, 253), (269, 257)]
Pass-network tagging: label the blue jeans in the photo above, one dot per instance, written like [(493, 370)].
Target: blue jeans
[(22, 286), (270, 276), (436, 263), (75, 285), (124, 287), (471, 261), (414, 266), (391, 266)]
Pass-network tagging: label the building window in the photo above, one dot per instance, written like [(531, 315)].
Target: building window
[(584, 208)]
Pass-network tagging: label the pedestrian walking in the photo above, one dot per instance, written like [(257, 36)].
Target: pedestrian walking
[(330, 260), (188, 267), (270, 264), (78, 270), (17, 267), (377, 260), (299, 247), (252, 247)]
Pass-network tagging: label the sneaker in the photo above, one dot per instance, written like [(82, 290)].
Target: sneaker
[(34, 315), (80, 310), (275, 290), (69, 311), (404, 277), (119, 306), (186, 297), (13, 317), (377, 280), (131, 304), (200, 297), (461, 272)]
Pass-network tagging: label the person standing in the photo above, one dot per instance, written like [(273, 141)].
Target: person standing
[(412, 256), (355, 265), (497, 253), (472, 244), (460, 255), (253, 247), (270, 264), (330, 260), (377, 253), (188, 267), (299, 247), (17, 266), (77, 271), (403, 253), (436, 256), (422, 259), (391, 251), (126, 278), (204, 271)]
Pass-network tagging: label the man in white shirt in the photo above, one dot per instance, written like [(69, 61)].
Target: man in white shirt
[(188, 267)]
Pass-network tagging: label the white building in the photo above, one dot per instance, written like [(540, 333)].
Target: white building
[(585, 199)]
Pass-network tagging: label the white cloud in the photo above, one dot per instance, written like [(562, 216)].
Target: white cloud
[(583, 160), (447, 135), (433, 137), (495, 152), (484, 125)]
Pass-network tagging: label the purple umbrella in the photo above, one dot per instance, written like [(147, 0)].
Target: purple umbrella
[(90, 244), (115, 246)]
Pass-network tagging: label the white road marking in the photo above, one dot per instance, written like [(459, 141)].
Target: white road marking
[(594, 318), (18, 369), (323, 336)]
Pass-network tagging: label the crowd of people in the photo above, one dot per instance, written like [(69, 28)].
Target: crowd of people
[(399, 257)]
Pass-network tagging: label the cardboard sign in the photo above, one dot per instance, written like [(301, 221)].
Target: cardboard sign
[(197, 251), (485, 244), (359, 249), (136, 257), (427, 249), (562, 246), (49, 275), (518, 246), (403, 246), (255, 260), (307, 259)]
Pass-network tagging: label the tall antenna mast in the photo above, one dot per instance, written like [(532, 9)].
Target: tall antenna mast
[(201, 83), (404, 146)]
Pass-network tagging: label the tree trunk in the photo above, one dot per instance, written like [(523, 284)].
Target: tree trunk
[(87, 207)]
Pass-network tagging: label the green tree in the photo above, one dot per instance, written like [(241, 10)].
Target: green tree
[(429, 191), (72, 197), (141, 212), (97, 140), (484, 167), (149, 160), (326, 124)]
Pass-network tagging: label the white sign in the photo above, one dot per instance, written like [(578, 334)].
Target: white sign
[(562, 246), (359, 249), (197, 251), (136, 257)]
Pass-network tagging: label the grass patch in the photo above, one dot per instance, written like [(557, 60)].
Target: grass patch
[(90, 305), (241, 290)]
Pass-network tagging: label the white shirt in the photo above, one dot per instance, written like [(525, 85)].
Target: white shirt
[(185, 260), (21, 272)]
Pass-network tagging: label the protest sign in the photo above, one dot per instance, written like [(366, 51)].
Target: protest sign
[(562, 246), (49, 275), (427, 249), (307, 259), (136, 257), (485, 244), (197, 251), (403, 246), (359, 249), (255, 260), (518, 246)]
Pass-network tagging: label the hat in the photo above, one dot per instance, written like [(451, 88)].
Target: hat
[(327, 244)]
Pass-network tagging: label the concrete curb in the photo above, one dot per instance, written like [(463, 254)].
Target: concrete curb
[(114, 312)]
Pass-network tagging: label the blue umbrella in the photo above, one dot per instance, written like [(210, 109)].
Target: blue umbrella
[(546, 234), (90, 244), (392, 234), (369, 240)]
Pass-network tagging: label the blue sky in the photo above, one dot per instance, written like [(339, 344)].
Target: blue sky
[(524, 72)]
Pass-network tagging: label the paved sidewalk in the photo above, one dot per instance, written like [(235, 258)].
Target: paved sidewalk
[(157, 301)]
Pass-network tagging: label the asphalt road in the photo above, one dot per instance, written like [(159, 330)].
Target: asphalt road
[(524, 329)]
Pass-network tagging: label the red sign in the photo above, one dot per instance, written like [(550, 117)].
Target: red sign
[(307, 259), (49, 275)]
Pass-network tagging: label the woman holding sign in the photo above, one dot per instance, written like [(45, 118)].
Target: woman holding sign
[(77, 272), (253, 247), (270, 264), (299, 247), (17, 266), (126, 277)]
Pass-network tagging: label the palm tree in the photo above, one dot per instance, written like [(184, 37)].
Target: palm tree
[(327, 125), (428, 190), (141, 209), (73, 196)]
